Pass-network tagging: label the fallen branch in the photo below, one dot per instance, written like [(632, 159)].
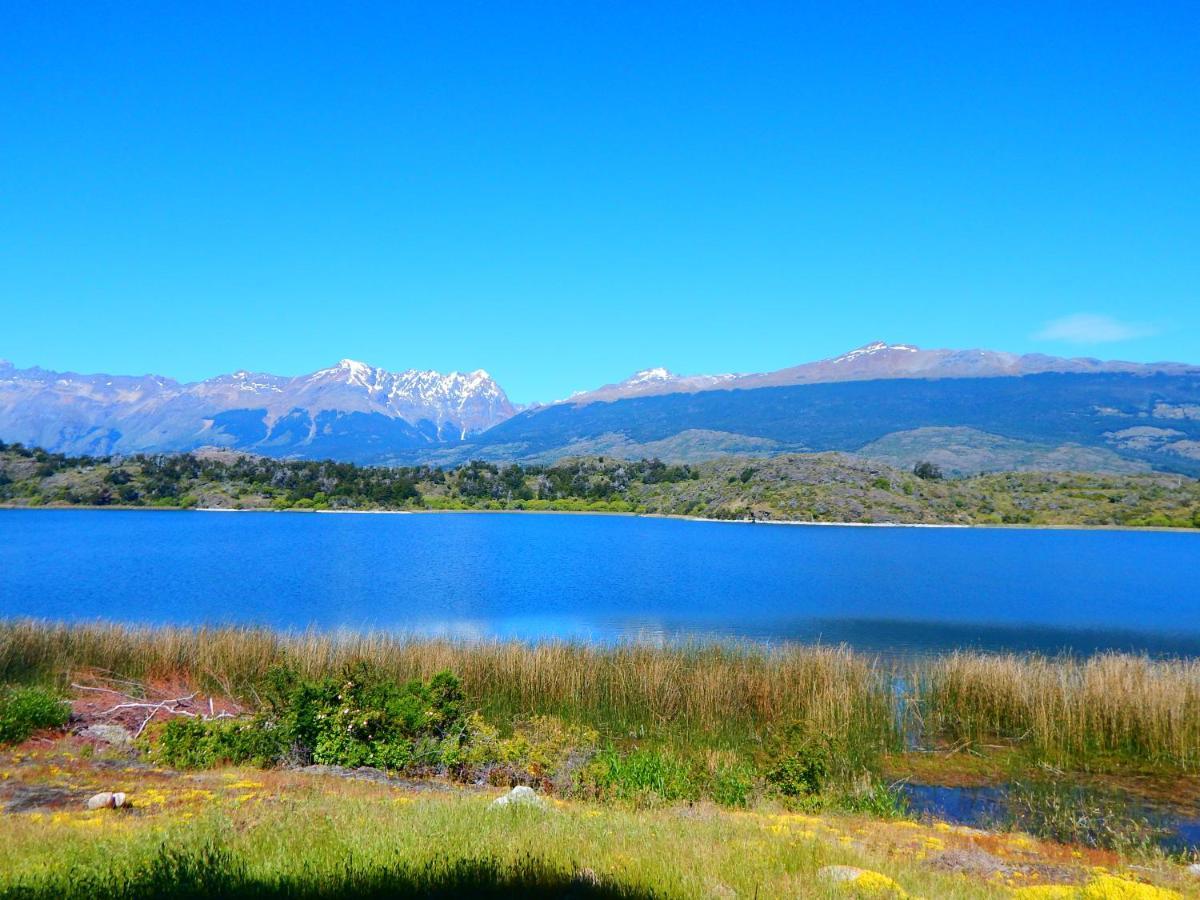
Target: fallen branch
[(173, 706)]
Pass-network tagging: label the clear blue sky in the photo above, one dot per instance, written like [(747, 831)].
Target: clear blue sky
[(562, 193)]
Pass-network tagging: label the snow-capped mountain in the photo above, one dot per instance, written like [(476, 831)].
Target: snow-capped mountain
[(459, 403), (876, 360), (651, 381), (336, 407), (363, 413)]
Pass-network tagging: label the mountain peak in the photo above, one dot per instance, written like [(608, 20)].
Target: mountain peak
[(875, 347), (648, 375)]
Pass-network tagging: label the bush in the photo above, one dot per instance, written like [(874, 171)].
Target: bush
[(24, 710), (197, 744), (542, 750), (927, 471), (733, 785), (360, 719), (800, 771)]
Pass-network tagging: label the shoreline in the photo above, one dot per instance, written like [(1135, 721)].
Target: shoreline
[(598, 512)]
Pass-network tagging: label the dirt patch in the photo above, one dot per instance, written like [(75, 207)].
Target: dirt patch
[(378, 776), (20, 797), (977, 862), (100, 701)]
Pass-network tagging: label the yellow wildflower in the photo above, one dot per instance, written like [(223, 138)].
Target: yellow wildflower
[(1104, 887), (1110, 887), (876, 884)]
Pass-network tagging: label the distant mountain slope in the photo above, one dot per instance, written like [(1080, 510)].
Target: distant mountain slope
[(874, 361), (350, 411), (1148, 419), (969, 410)]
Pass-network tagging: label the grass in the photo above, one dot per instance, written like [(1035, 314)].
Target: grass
[(25, 709), (327, 840), (240, 833)]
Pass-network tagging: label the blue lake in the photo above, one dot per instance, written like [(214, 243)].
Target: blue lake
[(894, 590)]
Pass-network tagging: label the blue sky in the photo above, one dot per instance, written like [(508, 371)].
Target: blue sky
[(562, 193)]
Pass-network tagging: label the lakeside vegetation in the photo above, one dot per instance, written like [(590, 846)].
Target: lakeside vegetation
[(757, 765), (794, 487), (707, 706)]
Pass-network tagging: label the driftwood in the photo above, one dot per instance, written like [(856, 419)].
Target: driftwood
[(171, 706)]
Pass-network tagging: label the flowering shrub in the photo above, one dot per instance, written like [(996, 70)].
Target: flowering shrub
[(359, 719)]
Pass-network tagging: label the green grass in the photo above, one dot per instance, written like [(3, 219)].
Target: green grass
[(25, 709), (335, 842), (691, 751)]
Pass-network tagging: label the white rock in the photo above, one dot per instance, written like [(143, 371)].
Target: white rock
[(839, 874), (519, 796), (106, 800), (1194, 869), (103, 800)]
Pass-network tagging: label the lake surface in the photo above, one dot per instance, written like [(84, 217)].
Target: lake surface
[(895, 590)]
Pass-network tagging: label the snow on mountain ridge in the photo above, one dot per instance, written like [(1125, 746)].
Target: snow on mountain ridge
[(647, 375), (872, 348), (414, 386)]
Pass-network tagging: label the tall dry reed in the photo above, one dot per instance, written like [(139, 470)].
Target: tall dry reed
[(1064, 710), (1072, 710), (742, 692)]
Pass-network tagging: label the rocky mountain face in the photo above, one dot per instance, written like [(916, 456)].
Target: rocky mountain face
[(349, 409), (967, 410), (1083, 421), (877, 360)]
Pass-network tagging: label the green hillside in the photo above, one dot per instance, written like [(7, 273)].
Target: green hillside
[(826, 487)]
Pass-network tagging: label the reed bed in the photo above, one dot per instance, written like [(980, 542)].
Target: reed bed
[(709, 690), (1066, 710), (1107, 709)]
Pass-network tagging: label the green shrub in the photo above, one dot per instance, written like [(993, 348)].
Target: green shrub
[(360, 719), (800, 770), (24, 710), (544, 744), (197, 744), (542, 750), (733, 785)]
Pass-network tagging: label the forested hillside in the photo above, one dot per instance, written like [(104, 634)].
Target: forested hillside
[(826, 487)]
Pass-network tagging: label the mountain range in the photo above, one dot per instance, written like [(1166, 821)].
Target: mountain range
[(967, 410)]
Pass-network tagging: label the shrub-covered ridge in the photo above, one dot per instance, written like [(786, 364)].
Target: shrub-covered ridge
[(817, 488)]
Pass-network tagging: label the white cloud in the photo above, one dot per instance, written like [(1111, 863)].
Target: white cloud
[(1089, 328)]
